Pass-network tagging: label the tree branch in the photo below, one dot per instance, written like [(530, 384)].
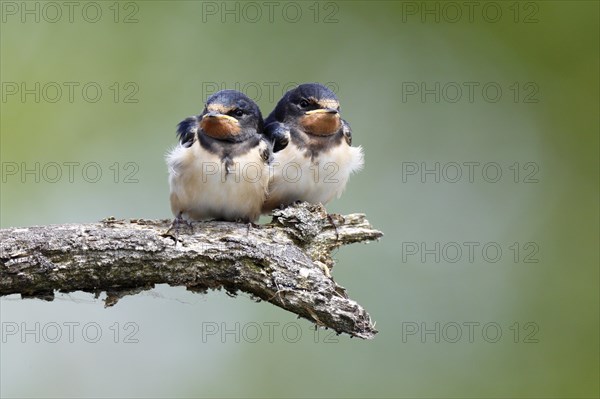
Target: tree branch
[(285, 262)]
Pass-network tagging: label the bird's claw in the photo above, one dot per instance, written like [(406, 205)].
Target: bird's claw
[(175, 227), (337, 234)]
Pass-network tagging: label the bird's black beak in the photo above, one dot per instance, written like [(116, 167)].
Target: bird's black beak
[(322, 111), (218, 115)]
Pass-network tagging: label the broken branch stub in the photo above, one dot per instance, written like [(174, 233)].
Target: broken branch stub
[(285, 262)]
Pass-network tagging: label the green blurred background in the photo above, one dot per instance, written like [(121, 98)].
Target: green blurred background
[(156, 62)]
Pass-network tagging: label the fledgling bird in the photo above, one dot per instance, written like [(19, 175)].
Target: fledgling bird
[(313, 156), (219, 170)]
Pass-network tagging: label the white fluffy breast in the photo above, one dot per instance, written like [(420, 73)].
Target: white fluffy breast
[(295, 177), (203, 188)]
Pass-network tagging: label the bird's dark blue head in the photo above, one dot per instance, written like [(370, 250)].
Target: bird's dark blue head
[(230, 115), (311, 107)]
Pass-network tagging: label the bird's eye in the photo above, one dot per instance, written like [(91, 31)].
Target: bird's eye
[(304, 103), (238, 112)]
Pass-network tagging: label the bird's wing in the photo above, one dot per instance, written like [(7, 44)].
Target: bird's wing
[(278, 134), (266, 150), (186, 131), (347, 132)]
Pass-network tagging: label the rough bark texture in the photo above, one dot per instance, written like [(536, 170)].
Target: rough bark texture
[(285, 262)]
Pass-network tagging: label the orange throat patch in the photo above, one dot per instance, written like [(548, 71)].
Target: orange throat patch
[(220, 127), (321, 124)]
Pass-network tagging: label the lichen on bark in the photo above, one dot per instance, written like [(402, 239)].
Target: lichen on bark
[(286, 262)]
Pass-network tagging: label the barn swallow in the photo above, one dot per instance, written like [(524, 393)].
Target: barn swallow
[(219, 170), (313, 156)]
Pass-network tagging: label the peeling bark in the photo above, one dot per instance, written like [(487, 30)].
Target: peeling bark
[(285, 262)]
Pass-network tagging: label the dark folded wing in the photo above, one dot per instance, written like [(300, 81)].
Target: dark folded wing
[(278, 134), (186, 131), (347, 132)]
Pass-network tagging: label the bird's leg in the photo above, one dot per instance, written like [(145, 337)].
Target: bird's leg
[(337, 234), (249, 225), (177, 222)]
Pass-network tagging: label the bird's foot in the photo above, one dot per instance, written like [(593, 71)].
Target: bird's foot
[(250, 226), (173, 231), (337, 233)]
